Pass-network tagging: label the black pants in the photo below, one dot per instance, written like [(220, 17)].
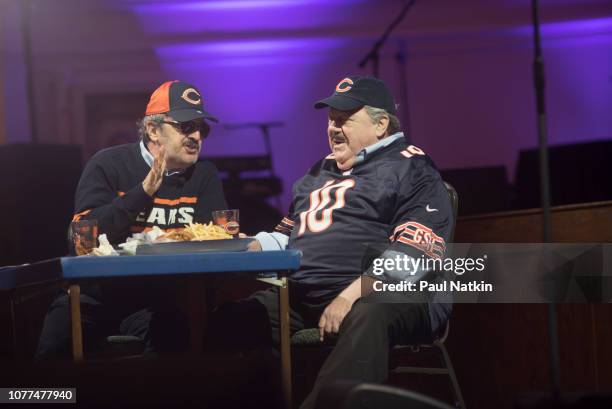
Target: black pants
[(253, 322), (146, 310), (376, 323)]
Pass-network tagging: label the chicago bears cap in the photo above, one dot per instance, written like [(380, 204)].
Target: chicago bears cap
[(182, 101), (356, 91)]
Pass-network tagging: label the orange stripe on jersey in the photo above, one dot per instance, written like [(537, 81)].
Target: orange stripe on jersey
[(397, 230), (78, 216), (430, 249), (421, 237), (288, 221), (282, 229), (173, 202), (285, 226)]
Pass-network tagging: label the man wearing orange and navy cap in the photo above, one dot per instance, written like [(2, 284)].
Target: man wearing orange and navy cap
[(157, 181)]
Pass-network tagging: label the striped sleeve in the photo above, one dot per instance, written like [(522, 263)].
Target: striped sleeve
[(285, 226), (423, 217)]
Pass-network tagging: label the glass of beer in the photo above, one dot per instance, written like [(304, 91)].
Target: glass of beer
[(229, 220), (84, 236)]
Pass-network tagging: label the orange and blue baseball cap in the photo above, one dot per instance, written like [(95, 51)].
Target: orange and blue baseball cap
[(182, 101)]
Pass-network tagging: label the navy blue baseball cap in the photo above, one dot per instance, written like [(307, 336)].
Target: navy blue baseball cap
[(356, 91)]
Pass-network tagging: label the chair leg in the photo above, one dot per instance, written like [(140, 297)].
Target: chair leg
[(451, 374)]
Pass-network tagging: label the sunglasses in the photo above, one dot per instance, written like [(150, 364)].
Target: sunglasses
[(189, 127)]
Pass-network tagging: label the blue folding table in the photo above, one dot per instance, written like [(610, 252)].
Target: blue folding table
[(75, 269)]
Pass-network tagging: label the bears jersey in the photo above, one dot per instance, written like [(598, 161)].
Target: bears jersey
[(110, 191), (394, 198)]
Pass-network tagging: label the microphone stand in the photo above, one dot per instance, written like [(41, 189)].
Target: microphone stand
[(538, 77), (400, 58), (373, 55)]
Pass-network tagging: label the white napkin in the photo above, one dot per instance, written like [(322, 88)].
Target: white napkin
[(105, 248)]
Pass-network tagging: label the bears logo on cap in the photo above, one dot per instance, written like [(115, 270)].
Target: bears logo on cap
[(189, 98), (344, 85)]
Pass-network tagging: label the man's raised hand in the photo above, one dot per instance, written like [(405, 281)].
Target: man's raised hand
[(153, 180)]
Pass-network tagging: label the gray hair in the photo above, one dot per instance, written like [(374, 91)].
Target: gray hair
[(155, 119), (376, 113)]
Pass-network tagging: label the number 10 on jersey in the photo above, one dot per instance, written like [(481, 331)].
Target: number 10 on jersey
[(321, 201)]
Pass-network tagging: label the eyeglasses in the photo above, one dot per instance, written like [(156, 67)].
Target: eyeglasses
[(189, 127)]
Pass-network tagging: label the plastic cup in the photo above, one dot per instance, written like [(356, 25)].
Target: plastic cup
[(84, 236), (228, 219)]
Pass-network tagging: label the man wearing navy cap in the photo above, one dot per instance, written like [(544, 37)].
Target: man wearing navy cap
[(130, 188), (372, 191)]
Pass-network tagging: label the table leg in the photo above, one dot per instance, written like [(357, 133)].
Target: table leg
[(75, 318), (285, 342)]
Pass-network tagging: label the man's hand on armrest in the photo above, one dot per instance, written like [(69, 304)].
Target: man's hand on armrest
[(334, 313)]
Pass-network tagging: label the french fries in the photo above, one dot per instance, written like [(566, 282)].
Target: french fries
[(206, 232), (197, 232), (179, 235)]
